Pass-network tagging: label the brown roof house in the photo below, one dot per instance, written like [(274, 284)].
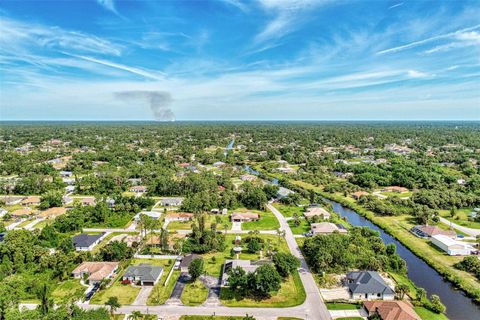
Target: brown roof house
[(244, 216), (20, 213), (179, 216), (316, 211), (31, 201), (88, 201), (52, 213), (358, 194), (396, 189), (96, 271), (326, 228), (391, 310), (424, 231)]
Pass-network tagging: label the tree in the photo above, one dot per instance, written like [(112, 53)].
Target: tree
[(45, 301), (113, 303), (391, 249), (285, 263), (281, 234), (254, 245), (195, 269), (421, 294), (247, 317), (437, 305), (401, 289), (135, 315), (265, 280)]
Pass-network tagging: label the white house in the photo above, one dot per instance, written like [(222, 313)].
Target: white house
[(452, 247), (152, 214)]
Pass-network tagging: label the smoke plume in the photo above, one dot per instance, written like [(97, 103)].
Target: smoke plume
[(159, 102)]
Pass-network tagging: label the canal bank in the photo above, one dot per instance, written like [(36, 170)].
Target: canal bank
[(459, 306)]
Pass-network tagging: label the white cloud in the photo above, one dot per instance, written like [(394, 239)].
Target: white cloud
[(238, 4), (109, 5), (428, 40)]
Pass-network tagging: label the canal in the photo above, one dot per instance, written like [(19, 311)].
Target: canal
[(459, 306)]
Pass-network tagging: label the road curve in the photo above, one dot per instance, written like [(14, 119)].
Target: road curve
[(469, 231)]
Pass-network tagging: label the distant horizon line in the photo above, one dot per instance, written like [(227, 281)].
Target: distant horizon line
[(246, 120)]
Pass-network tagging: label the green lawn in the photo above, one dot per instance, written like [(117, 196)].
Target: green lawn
[(461, 218), (396, 194), (194, 294), (403, 279), (42, 224), (214, 268), (68, 291), (290, 294), (289, 211), (210, 318), (302, 228), (342, 306), (267, 221), (210, 218), (426, 314)]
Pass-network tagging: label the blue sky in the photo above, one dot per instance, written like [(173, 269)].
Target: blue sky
[(240, 60)]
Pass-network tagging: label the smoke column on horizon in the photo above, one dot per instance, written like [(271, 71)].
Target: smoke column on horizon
[(159, 102)]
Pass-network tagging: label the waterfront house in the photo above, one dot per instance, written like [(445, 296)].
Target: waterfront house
[(452, 247), (368, 285)]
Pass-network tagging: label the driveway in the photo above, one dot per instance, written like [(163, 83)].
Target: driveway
[(142, 297), (348, 313), (175, 297), (335, 294), (236, 226)]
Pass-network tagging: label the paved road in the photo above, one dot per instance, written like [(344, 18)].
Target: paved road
[(15, 224), (469, 231), (314, 305)]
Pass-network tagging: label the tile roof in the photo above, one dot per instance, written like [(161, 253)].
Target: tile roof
[(97, 270), (392, 310)]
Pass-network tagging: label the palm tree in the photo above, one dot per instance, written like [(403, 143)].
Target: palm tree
[(135, 315), (113, 303)]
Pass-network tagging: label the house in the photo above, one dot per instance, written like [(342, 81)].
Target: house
[(171, 202), (396, 189), (326, 228), (65, 174), (52, 212), (96, 271), (224, 211), (187, 260), (21, 213), (144, 274), (135, 181), (86, 242), (424, 231), (284, 192), (391, 310), (368, 285), (31, 201), (316, 211), (152, 214), (179, 216), (357, 195), (452, 247), (244, 216), (461, 182), (88, 201), (138, 189), (3, 212), (248, 177), (248, 266), (69, 189), (11, 200)]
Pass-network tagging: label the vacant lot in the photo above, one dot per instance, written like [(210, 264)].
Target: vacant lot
[(194, 294), (267, 221)]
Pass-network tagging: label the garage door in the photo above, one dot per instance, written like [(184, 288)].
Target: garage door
[(148, 283)]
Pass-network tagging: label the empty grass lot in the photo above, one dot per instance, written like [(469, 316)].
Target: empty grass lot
[(68, 291), (289, 211), (461, 218), (302, 228), (290, 294), (267, 221), (162, 292), (426, 314), (194, 294)]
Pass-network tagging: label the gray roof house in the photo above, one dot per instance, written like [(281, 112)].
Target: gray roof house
[(187, 260), (171, 202), (368, 285), (86, 242), (284, 192), (145, 274)]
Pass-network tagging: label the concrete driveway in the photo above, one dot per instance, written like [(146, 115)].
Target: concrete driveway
[(141, 299)]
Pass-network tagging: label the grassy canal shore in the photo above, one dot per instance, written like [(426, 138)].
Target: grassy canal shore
[(394, 226)]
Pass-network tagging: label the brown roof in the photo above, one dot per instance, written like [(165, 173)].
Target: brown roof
[(180, 215), (316, 211), (327, 227), (97, 270), (31, 199), (433, 231), (22, 212), (392, 310), (395, 189), (53, 212), (245, 215), (358, 194)]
